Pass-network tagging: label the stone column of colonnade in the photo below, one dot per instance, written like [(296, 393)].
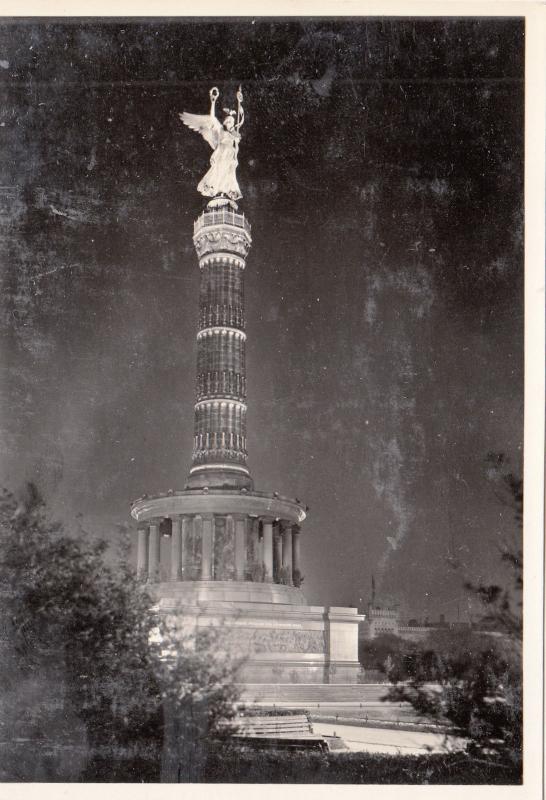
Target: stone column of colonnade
[(142, 552), (176, 549), (278, 546), (287, 550), (296, 551), (240, 548), (154, 552), (267, 534)]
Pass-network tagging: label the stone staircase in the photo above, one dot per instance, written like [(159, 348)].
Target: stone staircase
[(342, 702), (312, 693)]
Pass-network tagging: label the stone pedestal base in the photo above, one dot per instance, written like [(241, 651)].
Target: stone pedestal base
[(280, 637), (234, 566)]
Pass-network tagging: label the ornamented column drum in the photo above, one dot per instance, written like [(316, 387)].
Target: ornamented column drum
[(222, 241)]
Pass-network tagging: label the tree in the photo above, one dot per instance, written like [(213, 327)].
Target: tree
[(471, 683), (198, 678), (474, 679), (86, 635), (79, 627), (374, 652), (503, 605)]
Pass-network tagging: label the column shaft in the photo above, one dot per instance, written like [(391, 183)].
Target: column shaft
[(277, 560), (287, 551), (229, 566), (184, 544), (142, 553), (268, 549), (154, 553), (206, 551), (260, 543), (176, 549), (197, 545), (240, 549), (296, 552), (256, 538)]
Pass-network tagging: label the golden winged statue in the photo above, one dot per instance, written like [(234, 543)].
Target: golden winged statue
[(224, 139)]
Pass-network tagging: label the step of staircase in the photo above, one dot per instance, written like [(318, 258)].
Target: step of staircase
[(312, 693)]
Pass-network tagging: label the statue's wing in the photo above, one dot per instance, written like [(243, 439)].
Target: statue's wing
[(209, 127)]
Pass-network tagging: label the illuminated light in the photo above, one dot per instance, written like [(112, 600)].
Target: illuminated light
[(231, 467), (236, 403), (217, 330)]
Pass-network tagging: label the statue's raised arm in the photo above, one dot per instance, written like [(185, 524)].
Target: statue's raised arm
[(220, 180)]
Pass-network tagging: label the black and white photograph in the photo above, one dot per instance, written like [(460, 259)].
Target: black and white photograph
[(262, 441)]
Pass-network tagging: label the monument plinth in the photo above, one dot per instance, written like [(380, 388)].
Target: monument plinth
[(234, 555)]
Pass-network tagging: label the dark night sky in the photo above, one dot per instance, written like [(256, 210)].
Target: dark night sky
[(381, 167)]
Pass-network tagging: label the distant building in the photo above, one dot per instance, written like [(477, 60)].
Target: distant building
[(381, 620)]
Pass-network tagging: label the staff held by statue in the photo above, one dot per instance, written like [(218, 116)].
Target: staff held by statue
[(240, 110)]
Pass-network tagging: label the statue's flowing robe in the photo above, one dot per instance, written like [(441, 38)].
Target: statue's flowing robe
[(221, 177)]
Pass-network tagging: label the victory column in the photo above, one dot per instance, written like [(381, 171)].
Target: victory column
[(235, 551)]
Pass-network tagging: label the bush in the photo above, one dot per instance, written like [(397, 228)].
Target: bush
[(282, 711), (237, 765)]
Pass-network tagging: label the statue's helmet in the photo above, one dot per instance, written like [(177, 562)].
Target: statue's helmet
[(229, 121)]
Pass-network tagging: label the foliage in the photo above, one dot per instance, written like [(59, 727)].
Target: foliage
[(284, 576), (298, 578), (274, 711), (473, 684), (84, 623), (87, 664), (227, 764), (373, 653), (257, 571), (197, 675), (503, 605), (474, 679)]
